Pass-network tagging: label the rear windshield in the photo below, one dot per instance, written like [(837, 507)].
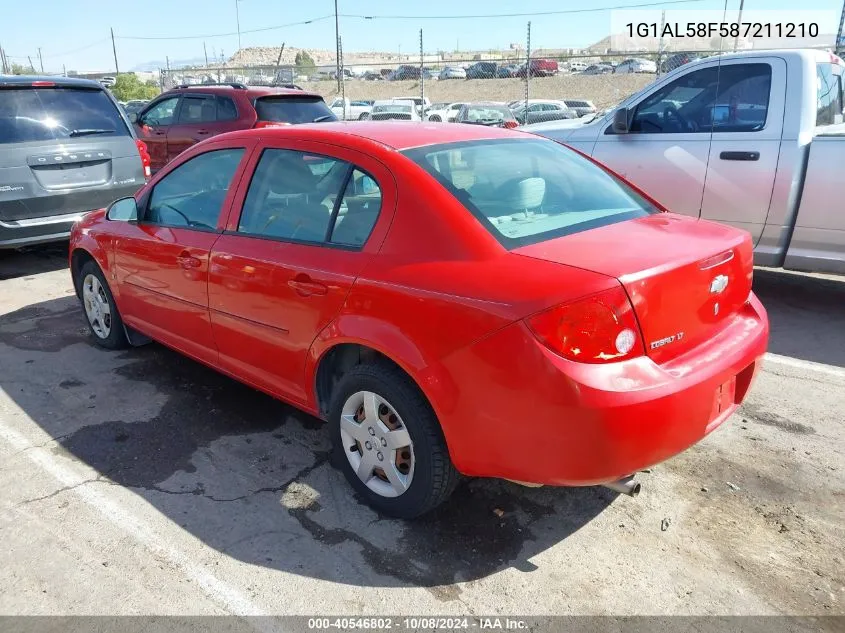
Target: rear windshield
[(49, 114), (488, 114), (529, 191), (293, 109), (392, 107)]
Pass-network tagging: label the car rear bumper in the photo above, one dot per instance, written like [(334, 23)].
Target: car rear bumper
[(17, 233), (526, 414)]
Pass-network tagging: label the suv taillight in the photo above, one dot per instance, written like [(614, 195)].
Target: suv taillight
[(262, 124), (145, 156), (601, 328), (511, 124)]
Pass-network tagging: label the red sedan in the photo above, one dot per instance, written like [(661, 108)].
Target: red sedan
[(450, 299)]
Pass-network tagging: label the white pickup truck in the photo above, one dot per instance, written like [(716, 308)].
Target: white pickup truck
[(355, 110), (753, 139)]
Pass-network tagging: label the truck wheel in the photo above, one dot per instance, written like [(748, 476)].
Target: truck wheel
[(100, 308), (388, 442)]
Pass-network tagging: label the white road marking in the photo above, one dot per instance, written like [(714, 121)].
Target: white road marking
[(788, 361), (224, 594)]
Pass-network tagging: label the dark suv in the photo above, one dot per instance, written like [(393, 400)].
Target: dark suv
[(66, 148), (186, 115)]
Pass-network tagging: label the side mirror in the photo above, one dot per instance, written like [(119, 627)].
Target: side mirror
[(620, 121), (133, 117), (123, 210)]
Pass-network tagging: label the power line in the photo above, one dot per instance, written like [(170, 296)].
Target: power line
[(209, 36)]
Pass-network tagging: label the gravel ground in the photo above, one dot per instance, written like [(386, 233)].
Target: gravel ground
[(602, 90), (139, 482)]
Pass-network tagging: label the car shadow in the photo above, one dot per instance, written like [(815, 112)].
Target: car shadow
[(31, 260), (806, 314), (250, 476)]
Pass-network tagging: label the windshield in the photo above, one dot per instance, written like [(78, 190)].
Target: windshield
[(528, 191), (295, 109), (48, 114), (392, 107)]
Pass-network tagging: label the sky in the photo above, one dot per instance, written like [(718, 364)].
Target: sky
[(75, 33)]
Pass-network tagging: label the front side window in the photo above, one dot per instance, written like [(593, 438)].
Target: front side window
[(304, 197), (192, 195), (829, 102), (162, 113), (528, 191)]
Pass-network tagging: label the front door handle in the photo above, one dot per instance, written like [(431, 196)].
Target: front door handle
[(305, 286), (740, 155), (186, 260)]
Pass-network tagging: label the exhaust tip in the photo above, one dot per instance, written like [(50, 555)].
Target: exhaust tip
[(625, 486)]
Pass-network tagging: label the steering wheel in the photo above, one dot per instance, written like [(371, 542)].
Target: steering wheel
[(670, 111), (188, 221)]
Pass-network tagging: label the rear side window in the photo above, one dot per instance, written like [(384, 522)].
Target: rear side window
[(528, 191), (49, 114), (296, 196), (198, 109), (829, 103), (293, 109)]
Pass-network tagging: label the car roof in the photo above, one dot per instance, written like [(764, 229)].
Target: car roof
[(398, 135), (251, 91), (61, 82)]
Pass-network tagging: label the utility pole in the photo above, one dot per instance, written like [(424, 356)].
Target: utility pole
[(739, 21), (114, 50), (422, 77), (337, 40), (527, 70), (341, 77), (64, 70), (278, 63), (31, 65), (238, 21), (40, 60), (660, 43), (205, 52), (838, 46), (3, 67)]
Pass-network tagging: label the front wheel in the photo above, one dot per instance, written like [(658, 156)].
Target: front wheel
[(100, 308), (435, 118), (388, 442)]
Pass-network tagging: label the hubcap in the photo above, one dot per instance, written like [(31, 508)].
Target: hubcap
[(97, 307), (377, 444)]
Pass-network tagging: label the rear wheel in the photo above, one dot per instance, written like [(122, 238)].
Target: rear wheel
[(436, 118), (100, 308), (388, 442)]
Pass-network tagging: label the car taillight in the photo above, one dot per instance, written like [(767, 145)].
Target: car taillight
[(146, 162), (262, 124), (511, 124), (601, 328)]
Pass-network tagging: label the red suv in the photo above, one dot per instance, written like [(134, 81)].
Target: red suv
[(540, 68), (187, 115)]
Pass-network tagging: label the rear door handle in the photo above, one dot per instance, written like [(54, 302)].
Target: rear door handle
[(305, 287), (740, 155), (186, 260), (203, 132)]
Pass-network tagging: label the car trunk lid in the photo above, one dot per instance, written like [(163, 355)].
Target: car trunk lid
[(686, 278)]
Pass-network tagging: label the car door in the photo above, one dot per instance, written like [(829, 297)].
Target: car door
[(152, 126), (303, 227), (200, 116), (747, 128), (162, 260), (667, 147)]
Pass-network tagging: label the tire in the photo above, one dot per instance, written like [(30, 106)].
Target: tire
[(363, 116), (432, 477), (108, 329), (436, 118)]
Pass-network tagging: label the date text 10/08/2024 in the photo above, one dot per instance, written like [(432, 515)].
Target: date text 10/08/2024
[(723, 29)]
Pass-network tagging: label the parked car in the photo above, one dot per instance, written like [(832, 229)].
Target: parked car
[(422, 104), (372, 75), (67, 148), (181, 117), (354, 109), (133, 106), (453, 72), (582, 107), (488, 113), (578, 66), (567, 293), (753, 154), (540, 68), (507, 71), (598, 69), (108, 81), (406, 71), (540, 110), (676, 61), (636, 66), (395, 109), (443, 112), (482, 70)]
